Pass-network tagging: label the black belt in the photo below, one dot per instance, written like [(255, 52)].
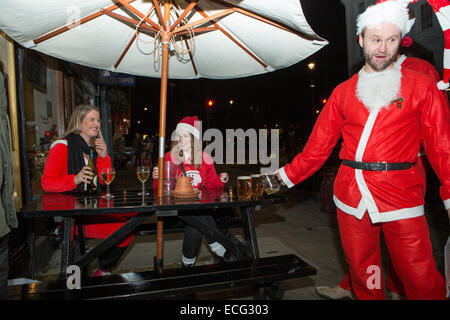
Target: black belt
[(377, 166)]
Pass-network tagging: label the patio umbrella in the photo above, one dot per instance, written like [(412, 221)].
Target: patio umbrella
[(177, 39)]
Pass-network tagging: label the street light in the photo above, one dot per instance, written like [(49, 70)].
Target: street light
[(311, 66)]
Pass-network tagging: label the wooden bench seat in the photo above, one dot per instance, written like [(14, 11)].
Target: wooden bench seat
[(171, 282)]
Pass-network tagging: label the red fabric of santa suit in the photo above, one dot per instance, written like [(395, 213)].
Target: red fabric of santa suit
[(393, 282), (393, 134)]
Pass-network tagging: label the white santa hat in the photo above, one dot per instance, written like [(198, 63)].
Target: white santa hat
[(442, 10), (191, 125), (386, 11)]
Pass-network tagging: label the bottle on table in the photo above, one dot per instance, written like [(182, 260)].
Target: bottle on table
[(92, 186)]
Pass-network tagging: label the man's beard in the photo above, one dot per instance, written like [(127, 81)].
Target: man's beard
[(369, 60)]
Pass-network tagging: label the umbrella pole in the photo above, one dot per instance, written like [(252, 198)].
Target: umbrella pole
[(165, 38)]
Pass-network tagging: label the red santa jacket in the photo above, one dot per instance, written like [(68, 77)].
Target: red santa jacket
[(392, 134), (56, 179), (204, 176)]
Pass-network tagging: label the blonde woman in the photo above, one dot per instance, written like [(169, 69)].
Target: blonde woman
[(66, 170)]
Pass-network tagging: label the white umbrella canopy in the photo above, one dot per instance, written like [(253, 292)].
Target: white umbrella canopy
[(177, 39), (248, 37)]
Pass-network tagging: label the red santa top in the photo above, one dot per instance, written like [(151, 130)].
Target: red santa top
[(417, 114)]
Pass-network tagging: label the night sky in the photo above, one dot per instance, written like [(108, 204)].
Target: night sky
[(278, 98)]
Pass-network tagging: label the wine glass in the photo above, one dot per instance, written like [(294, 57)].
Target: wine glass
[(143, 172), (108, 175)]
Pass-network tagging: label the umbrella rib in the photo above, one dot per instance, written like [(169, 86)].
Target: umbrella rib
[(140, 14), (204, 20), (267, 20), (131, 41), (184, 14), (75, 23), (226, 33), (160, 16), (125, 51), (128, 20), (199, 30), (179, 19)]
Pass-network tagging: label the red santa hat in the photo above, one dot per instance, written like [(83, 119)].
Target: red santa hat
[(442, 10), (191, 125), (386, 11)]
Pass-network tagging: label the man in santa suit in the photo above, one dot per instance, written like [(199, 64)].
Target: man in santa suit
[(383, 114)]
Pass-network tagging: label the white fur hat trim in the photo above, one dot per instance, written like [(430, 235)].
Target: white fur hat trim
[(395, 12)]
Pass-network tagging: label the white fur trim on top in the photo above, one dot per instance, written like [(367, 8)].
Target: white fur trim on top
[(443, 16), (447, 204), (285, 178), (189, 128), (378, 89), (395, 12), (63, 141), (442, 85)]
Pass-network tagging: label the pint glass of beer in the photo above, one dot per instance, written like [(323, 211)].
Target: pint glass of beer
[(270, 183), (257, 188), (244, 187)]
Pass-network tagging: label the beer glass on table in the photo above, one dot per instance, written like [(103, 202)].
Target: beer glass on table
[(143, 173), (257, 188), (244, 187)]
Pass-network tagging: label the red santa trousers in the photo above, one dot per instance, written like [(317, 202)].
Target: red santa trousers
[(410, 250), (392, 282)]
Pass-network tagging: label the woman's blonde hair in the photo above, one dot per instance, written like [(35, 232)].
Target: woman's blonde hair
[(77, 117)]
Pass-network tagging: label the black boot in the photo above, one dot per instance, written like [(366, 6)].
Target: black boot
[(227, 257), (186, 266)]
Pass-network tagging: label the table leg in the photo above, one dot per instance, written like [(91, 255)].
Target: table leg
[(65, 250), (31, 244), (237, 248), (112, 240), (249, 231)]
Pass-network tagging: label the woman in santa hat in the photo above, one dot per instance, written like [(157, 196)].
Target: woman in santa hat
[(199, 166)]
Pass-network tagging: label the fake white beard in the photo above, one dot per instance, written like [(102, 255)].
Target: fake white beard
[(378, 89)]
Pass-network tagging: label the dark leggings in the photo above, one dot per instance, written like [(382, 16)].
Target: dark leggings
[(108, 260), (193, 237)]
